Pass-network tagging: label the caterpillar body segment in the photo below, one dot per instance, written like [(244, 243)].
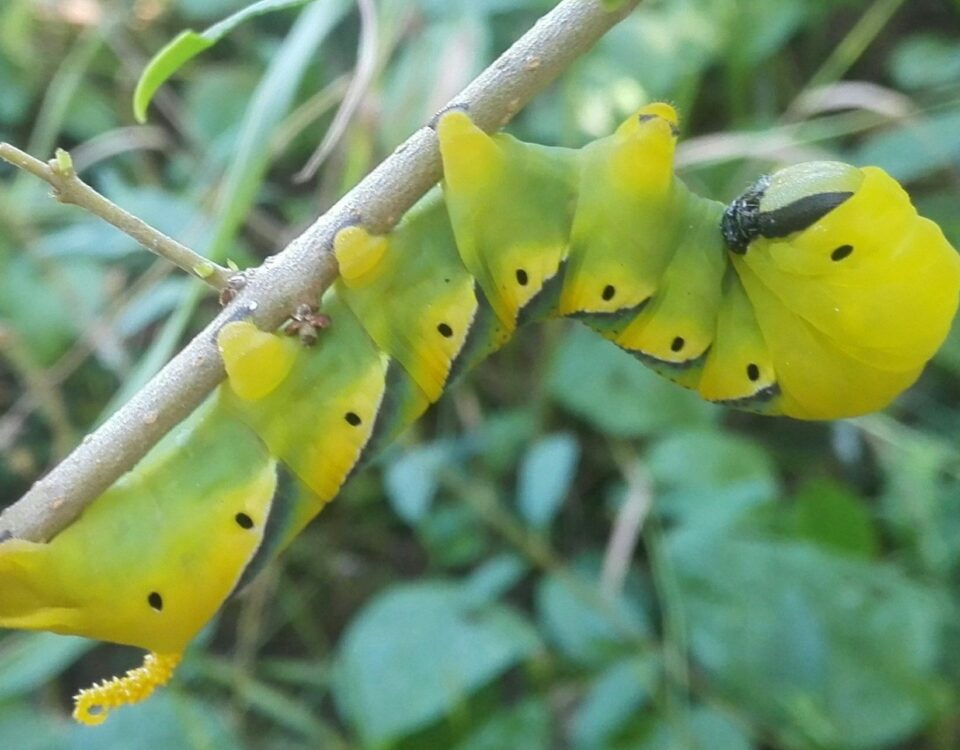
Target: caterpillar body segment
[(417, 303), (627, 203), (818, 293), (854, 305), (531, 190), (738, 351), (193, 510)]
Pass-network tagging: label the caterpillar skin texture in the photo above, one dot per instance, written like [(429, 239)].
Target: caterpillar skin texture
[(819, 293)]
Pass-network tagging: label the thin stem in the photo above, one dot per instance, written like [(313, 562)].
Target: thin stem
[(537, 549), (362, 78), (302, 271), (629, 522), (40, 388), (854, 44), (69, 188)]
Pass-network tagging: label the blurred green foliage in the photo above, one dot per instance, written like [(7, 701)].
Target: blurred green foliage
[(573, 553)]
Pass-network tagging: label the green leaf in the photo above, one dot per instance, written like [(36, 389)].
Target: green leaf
[(921, 499), (618, 695), (494, 578), (586, 626), (453, 536), (411, 481), (926, 61), (612, 391), (710, 478), (837, 651), (174, 55), (702, 729), (28, 660), (546, 473), (72, 293), (527, 725), (501, 438), (187, 45), (914, 150), (24, 728), (168, 720), (829, 514), (418, 651), (707, 459)]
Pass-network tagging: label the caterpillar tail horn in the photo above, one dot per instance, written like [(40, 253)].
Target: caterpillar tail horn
[(92, 705)]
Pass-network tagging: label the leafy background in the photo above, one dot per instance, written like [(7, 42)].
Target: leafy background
[(567, 552)]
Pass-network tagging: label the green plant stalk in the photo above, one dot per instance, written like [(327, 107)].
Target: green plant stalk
[(69, 188)]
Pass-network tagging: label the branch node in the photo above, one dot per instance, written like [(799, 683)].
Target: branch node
[(62, 164)]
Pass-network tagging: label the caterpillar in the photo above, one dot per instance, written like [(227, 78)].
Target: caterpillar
[(819, 293)]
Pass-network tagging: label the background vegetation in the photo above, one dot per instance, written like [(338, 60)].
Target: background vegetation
[(567, 552)]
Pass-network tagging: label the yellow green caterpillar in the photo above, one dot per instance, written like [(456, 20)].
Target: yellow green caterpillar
[(819, 293)]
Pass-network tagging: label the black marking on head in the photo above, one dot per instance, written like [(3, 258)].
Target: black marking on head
[(677, 344), (753, 372), (444, 330), (841, 252), (647, 116), (353, 419), (740, 223), (800, 214), (743, 221), (608, 292), (155, 601), (243, 521), (522, 277)]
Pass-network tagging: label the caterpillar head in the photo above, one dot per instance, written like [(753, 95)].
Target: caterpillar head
[(788, 201), (853, 291)]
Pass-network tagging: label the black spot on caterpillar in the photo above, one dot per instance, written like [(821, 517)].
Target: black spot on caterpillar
[(841, 252)]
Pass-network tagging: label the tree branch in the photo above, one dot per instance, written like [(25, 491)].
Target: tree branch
[(68, 188), (302, 271)]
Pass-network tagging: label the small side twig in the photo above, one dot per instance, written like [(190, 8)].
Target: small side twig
[(69, 188), (40, 388), (627, 525), (362, 78)]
